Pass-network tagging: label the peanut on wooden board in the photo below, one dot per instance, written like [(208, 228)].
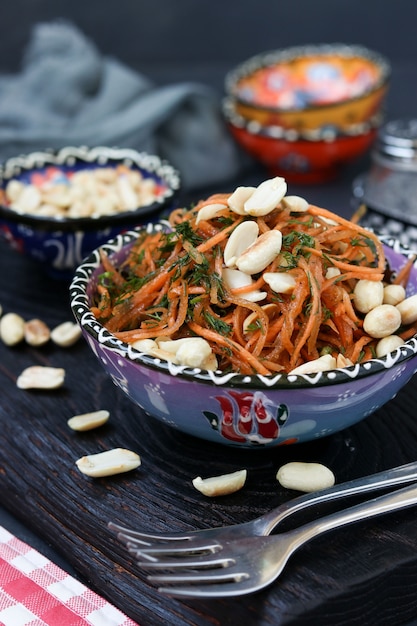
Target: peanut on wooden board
[(108, 463), (37, 333), (66, 334), (88, 421), (12, 329), (221, 485), (41, 377), (306, 477)]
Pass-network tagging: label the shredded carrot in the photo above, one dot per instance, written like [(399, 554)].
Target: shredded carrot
[(172, 285)]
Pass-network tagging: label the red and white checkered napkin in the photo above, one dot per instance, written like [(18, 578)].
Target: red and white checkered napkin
[(35, 592)]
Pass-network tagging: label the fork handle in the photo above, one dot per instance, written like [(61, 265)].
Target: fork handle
[(394, 501), (388, 478)]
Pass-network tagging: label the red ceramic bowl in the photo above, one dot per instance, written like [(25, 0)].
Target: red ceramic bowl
[(298, 158)]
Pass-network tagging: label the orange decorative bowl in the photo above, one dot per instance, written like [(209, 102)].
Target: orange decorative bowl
[(307, 158), (312, 87)]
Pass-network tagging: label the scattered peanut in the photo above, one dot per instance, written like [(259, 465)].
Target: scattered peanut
[(243, 236), (266, 196), (306, 477), (88, 421), (280, 282), (322, 364), (209, 211), (190, 351), (343, 361), (382, 321), (261, 253), (36, 332), (12, 329), (108, 463), (367, 295), (388, 344), (238, 198), (221, 485), (41, 377), (66, 334), (296, 204), (393, 294), (332, 272), (234, 279), (408, 310), (270, 309)]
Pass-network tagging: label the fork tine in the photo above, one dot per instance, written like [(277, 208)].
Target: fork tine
[(127, 534), (210, 578), (224, 589), (168, 550), (193, 563), (127, 540)]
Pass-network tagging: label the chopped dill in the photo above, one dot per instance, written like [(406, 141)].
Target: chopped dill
[(257, 325), (217, 324), (185, 231)]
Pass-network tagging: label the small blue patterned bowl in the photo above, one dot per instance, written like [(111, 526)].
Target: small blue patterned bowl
[(237, 410), (60, 243)]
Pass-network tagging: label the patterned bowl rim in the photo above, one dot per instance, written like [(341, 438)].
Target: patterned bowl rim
[(272, 57), (326, 133), (79, 300), (71, 155)]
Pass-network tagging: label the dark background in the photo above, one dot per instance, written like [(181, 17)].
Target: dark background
[(198, 40)]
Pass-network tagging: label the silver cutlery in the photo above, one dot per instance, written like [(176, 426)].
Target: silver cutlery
[(153, 545), (234, 567)]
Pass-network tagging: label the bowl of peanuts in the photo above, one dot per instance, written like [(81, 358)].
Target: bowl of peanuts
[(58, 206), (279, 321)]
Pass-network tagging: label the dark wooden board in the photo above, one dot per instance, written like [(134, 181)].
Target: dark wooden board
[(364, 574)]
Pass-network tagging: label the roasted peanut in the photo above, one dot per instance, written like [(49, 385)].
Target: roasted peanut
[(322, 364), (221, 485), (393, 294), (332, 272), (261, 253), (367, 295), (382, 321), (280, 282), (37, 333), (12, 329), (296, 204), (266, 197), (234, 279), (305, 477), (209, 211), (66, 334), (41, 377), (238, 198), (88, 421), (243, 236), (108, 463), (388, 344), (408, 310)]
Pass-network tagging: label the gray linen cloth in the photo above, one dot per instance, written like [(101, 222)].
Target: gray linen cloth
[(67, 93)]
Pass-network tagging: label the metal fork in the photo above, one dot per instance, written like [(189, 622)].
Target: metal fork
[(152, 545), (249, 564)]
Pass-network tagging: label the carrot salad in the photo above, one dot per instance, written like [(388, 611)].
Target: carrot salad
[(176, 284)]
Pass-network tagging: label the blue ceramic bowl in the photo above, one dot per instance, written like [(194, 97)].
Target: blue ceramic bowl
[(238, 410), (60, 244)]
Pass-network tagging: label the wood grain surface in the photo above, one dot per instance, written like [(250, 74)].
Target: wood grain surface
[(363, 574)]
